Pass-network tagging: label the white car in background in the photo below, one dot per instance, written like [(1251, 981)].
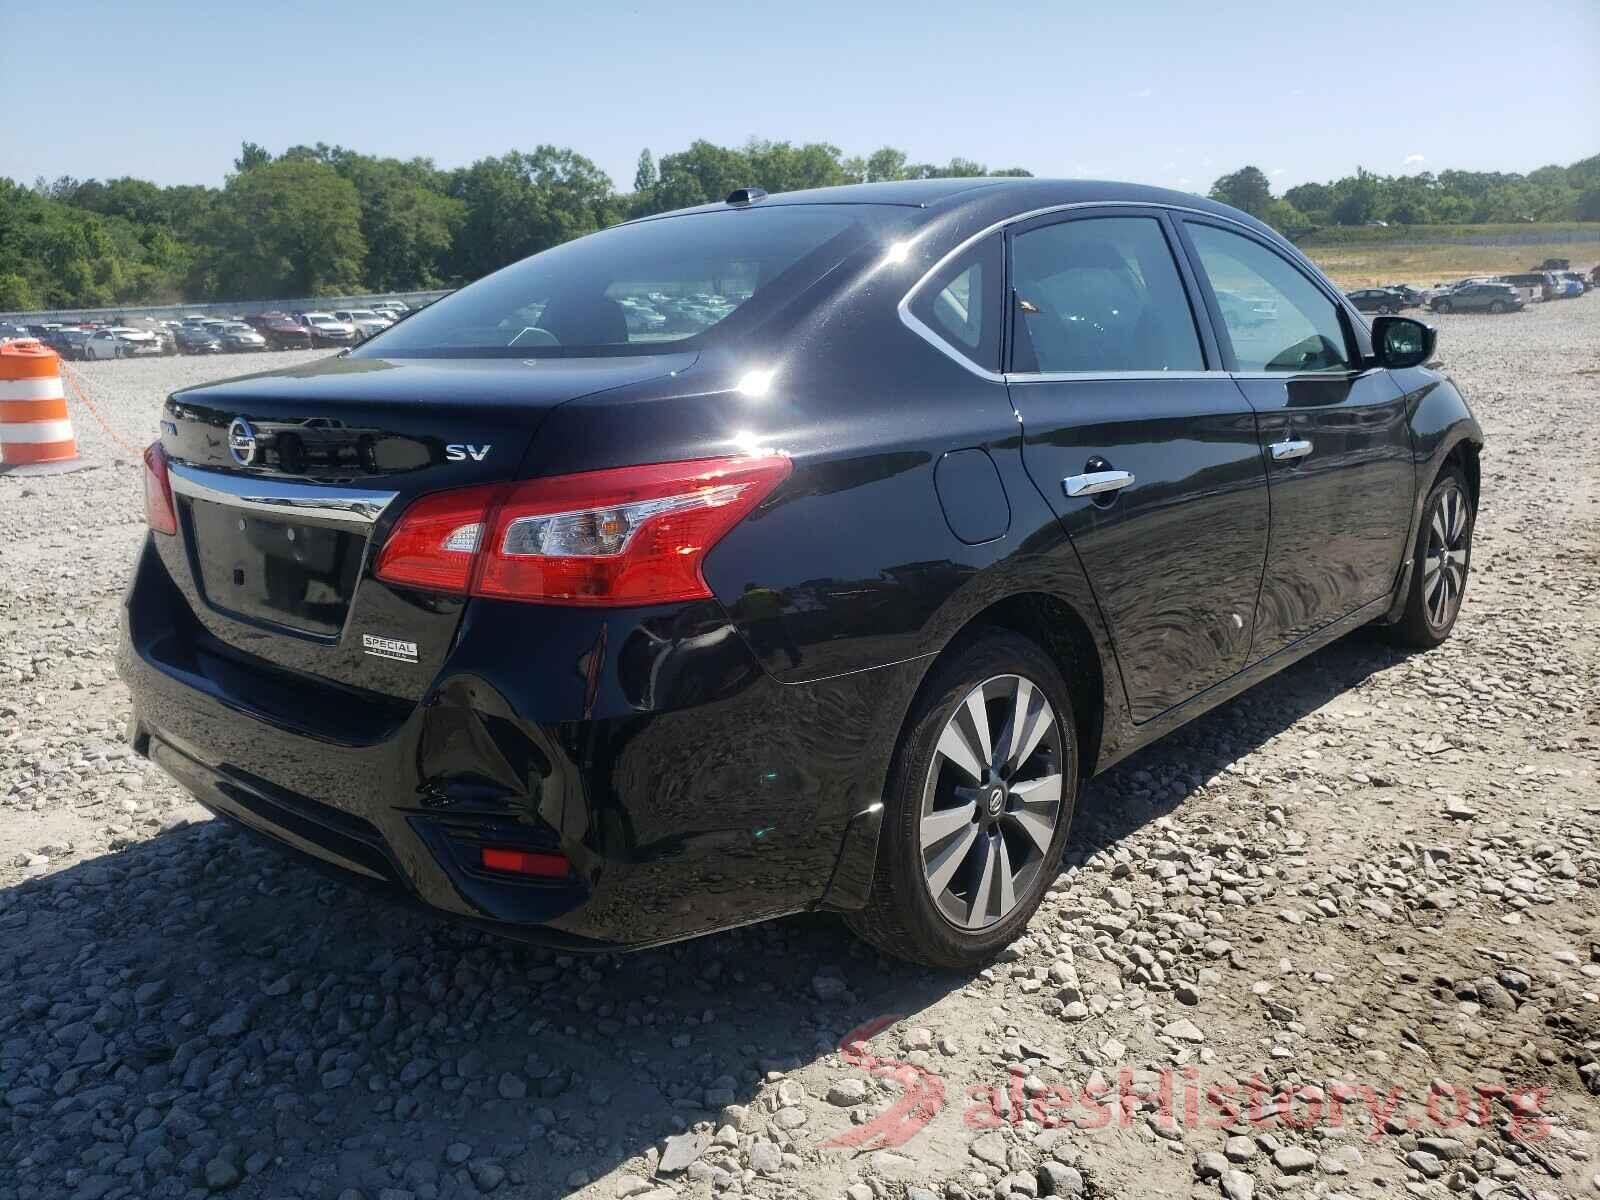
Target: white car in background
[(328, 330), (393, 309), (119, 341), (365, 320)]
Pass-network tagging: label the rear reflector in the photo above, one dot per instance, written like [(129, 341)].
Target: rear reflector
[(159, 512), (524, 862), (628, 536)]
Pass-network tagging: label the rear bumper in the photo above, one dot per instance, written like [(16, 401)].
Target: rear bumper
[(689, 789)]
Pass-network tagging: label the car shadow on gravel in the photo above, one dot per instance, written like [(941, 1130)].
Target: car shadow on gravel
[(1158, 779), (205, 1010)]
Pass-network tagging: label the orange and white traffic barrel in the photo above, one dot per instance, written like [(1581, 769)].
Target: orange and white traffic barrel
[(34, 425)]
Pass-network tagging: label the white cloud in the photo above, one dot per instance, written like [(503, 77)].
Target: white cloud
[(1412, 160), (1280, 170), (1143, 94), (1169, 166), (1183, 181)]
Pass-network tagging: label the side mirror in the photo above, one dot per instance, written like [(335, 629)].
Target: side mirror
[(1402, 342)]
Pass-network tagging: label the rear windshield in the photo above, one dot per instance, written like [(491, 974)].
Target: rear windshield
[(637, 289)]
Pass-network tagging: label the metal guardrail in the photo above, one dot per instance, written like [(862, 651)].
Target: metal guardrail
[(223, 308)]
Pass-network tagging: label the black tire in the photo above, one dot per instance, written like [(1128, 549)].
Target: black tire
[(1422, 626), (1441, 306), (1497, 306), (902, 918), (1386, 309)]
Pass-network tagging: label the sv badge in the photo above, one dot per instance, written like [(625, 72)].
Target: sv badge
[(463, 451)]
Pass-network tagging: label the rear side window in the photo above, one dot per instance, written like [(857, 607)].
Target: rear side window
[(961, 304), (1276, 318), (667, 284), (1100, 294)]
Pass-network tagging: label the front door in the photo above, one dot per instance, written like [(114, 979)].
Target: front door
[(1144, 447), (1333, 430)]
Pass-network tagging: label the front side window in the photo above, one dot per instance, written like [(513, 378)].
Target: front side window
[(961, 304), (1100, 294), (1276, 318), (644, 288)]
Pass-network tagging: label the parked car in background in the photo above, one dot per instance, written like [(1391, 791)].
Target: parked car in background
[(195, 338), (238, 338), (1410, 296), (328, 330), (393, 309), (1378, 300), (1479, 297), (1554, 264), (13, 333), (366, 321), (1568, 288), (1533, 285), (122, 341), (155, 329), (68, 342), (281, 330)]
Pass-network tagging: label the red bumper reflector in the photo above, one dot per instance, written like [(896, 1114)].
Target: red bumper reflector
[(522, 862)]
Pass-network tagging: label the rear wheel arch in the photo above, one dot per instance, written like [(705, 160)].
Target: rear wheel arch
[(1058, 629), (1055, 627)]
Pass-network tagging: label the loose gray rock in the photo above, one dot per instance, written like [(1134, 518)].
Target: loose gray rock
[(845, 1092), (681, 1150), (1292, 1160)]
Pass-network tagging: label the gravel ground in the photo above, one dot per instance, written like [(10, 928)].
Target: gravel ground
[(1360, 904)]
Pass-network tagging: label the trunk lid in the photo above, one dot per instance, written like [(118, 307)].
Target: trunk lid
[(287, 482)]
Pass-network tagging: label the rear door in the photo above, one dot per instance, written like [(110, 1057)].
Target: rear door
[(1142, 444), (1333, 430)]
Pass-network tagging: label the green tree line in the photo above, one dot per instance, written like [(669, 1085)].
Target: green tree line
[(324, 220), (1552, 193)]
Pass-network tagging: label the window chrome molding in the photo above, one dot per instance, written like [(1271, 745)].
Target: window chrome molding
[(1332, 374), (1020, 377), (281, 498), (918, 327)]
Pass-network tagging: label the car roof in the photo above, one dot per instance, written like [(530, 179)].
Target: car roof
[(996, 197)]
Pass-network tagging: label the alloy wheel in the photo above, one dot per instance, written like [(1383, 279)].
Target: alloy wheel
[(1444, 569), (991, 801)]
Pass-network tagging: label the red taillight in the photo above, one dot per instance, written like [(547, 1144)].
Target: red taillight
[(435, 544), (159, 512), (524, 862), (627, 536)]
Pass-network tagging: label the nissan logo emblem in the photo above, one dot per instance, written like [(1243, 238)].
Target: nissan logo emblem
[(242, 442)]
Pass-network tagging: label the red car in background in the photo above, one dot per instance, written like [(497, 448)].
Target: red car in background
[(281, 330)]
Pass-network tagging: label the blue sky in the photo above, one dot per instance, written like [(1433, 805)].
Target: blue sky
[(1165, 91)]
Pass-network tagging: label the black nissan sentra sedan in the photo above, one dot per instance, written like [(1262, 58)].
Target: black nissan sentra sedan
[(791, 552)]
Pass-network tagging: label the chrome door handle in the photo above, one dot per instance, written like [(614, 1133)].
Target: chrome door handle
[(1096, 482), (1289, 451)]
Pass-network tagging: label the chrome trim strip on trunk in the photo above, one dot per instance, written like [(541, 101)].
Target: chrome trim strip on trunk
[(281, 498)]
